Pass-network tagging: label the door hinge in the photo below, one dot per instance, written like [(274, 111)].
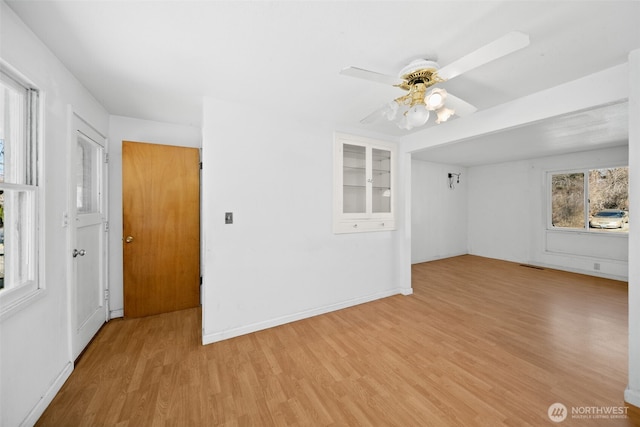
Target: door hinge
[(200, 165), (106, 294), (106, 226), (106, 157)]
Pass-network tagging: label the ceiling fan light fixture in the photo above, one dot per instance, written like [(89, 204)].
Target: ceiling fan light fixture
[(417, 115), (435, 99), (391, 111), (403, 123), (444, 114)]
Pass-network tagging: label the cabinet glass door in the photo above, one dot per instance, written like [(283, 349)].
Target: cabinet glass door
[(354, 179), (381, 180)]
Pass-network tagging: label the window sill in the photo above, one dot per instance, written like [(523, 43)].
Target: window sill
[(590, 232), (10, 306)]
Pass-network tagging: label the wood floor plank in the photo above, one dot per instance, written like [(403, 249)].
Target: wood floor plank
[(480, 342)]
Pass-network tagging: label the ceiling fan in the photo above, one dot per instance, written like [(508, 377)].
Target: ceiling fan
[(413, 109)]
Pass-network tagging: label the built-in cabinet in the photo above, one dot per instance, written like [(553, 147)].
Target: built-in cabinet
[(364, 193)]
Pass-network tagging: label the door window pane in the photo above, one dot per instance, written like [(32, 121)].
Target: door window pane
[(354, 191), (87, 195), (567, 200)]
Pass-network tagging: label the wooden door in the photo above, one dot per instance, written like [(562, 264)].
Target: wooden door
[(87, 234), (161, 228)]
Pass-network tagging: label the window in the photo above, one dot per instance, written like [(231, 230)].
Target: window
[(18, 190), (595, 199)]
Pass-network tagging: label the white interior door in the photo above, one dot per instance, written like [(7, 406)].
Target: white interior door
[(88, 228)]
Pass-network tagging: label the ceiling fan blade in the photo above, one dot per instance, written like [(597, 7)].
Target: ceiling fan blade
[(505, 45), (460, 106), (375, 116), (370, 75)]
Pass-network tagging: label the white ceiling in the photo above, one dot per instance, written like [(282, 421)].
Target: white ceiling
[(156, 59), (602, 127)]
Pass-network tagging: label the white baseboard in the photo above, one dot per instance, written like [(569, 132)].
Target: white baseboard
[(114, 314), (258, 326), (632, 397), (437, 257), (51, 392), (582, 271)]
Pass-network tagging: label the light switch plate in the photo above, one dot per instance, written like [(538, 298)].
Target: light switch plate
[(228, 217)]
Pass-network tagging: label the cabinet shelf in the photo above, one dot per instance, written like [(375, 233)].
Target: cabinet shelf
[(362, 169), (375, 187)]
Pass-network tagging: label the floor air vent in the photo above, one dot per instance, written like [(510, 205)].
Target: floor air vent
[(531, 266)]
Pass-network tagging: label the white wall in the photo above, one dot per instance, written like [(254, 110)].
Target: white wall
[(632, 394), (128, 129), (280, 260), (508, 210), (35, 352), (438, 212), (499, 211)]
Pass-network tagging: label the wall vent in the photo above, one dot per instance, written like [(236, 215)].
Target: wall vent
[(531, 266)]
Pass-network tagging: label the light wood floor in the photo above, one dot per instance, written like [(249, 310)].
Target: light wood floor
[(480, 343)]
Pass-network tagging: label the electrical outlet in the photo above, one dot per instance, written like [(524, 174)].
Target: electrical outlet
[(596, 266)]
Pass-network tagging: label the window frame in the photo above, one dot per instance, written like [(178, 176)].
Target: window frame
[(13, 299), (549, 196)]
